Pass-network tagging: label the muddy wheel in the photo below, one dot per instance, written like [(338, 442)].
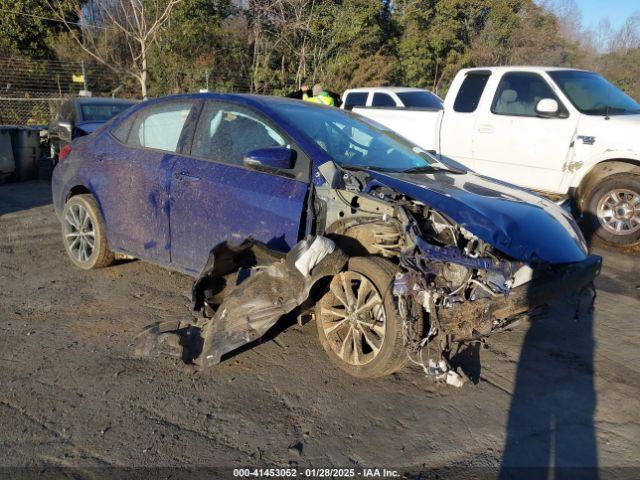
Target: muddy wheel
[(614, 209), (83, 233), (358, 325)]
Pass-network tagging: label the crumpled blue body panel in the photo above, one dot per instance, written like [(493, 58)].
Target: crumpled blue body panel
[(519, 223)]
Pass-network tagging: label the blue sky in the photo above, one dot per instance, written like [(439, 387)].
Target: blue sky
[(617, 11)]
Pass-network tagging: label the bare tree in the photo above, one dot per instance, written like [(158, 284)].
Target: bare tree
[(118, 33)]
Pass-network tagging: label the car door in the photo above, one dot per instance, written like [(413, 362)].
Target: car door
[(460, 117), (138, 163), (512, 143), (215, 198)]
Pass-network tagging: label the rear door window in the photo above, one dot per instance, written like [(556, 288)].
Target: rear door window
[(355, 99), (382, 100), (470, 92), (160, 126)]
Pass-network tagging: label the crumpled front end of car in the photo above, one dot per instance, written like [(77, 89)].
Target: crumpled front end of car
[(451, 285)]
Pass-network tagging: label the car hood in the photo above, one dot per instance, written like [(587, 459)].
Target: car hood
[(519, 223)]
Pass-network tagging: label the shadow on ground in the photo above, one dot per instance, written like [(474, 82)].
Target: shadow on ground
[(18, 196), (550, 430)]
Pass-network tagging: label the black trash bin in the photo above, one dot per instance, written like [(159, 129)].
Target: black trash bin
[(26, 149), (7, 163)]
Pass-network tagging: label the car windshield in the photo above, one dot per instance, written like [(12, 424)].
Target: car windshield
[(352, 141), (592, 94), (101, 112), (420, 99)]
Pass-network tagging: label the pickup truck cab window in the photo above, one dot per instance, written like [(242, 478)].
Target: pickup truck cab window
[(355, 99), (470, 92), (382, 100), (518, 93)]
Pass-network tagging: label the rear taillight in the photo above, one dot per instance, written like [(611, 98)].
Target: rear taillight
[(64, 153)]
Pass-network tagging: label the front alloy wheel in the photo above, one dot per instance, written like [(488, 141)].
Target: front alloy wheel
[(358, 325), (353, 318)]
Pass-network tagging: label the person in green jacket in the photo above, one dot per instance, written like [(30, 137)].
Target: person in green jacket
[(320, 95)]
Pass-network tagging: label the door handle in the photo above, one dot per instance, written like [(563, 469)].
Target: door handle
[(186, 177), (485, 128)]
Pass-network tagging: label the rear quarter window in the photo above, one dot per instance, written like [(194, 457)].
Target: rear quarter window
[(470, 93), (121, 131)]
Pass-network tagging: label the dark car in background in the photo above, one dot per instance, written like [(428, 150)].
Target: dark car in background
[(80, 116)]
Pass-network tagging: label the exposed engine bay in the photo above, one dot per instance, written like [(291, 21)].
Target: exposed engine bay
[(446, 279)]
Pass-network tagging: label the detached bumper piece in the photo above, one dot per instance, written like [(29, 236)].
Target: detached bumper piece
[(250, 287), (470, 320)]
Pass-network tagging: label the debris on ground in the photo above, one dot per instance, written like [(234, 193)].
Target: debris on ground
[(260, 286)]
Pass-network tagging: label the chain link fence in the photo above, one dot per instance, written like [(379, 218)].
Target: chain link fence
[(31, 90)]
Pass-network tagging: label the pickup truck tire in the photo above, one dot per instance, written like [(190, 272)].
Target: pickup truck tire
[(613, 210), (358, 324), (83, 233)]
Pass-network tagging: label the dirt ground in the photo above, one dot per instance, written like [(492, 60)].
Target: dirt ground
[(561, 391)]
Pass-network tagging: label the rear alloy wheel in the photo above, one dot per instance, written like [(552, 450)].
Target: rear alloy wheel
[(83, 233), (614, 210), (357, 322)]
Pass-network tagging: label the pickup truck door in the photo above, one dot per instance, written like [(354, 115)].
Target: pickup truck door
[(215, 198), (512, 143), (460, 118)]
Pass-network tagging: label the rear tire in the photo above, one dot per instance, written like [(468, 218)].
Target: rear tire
[(358, 324), (83, 233), (613, 210)]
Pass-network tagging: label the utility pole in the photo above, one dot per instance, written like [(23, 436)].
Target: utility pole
[(84, 76)]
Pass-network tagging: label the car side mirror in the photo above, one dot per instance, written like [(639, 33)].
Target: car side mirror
[(548, 108), (66, 126), (272, 158)]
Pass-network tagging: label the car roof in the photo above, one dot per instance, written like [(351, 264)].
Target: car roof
[(105, 100), (242, 98), (387, 89), (526, 68)]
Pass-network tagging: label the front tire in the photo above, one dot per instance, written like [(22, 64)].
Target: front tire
[(83, 233), (358, 325), (613, 209)]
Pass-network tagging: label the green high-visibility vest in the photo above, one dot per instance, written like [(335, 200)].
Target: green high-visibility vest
[(322, 98)]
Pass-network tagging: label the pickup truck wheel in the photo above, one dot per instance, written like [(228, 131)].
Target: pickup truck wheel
[(83, 233), (358, 325), (614, 209)]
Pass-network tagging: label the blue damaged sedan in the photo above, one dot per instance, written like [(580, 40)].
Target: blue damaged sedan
[(436, 253)]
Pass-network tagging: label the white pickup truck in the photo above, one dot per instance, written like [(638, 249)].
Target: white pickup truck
[(566, 133)]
